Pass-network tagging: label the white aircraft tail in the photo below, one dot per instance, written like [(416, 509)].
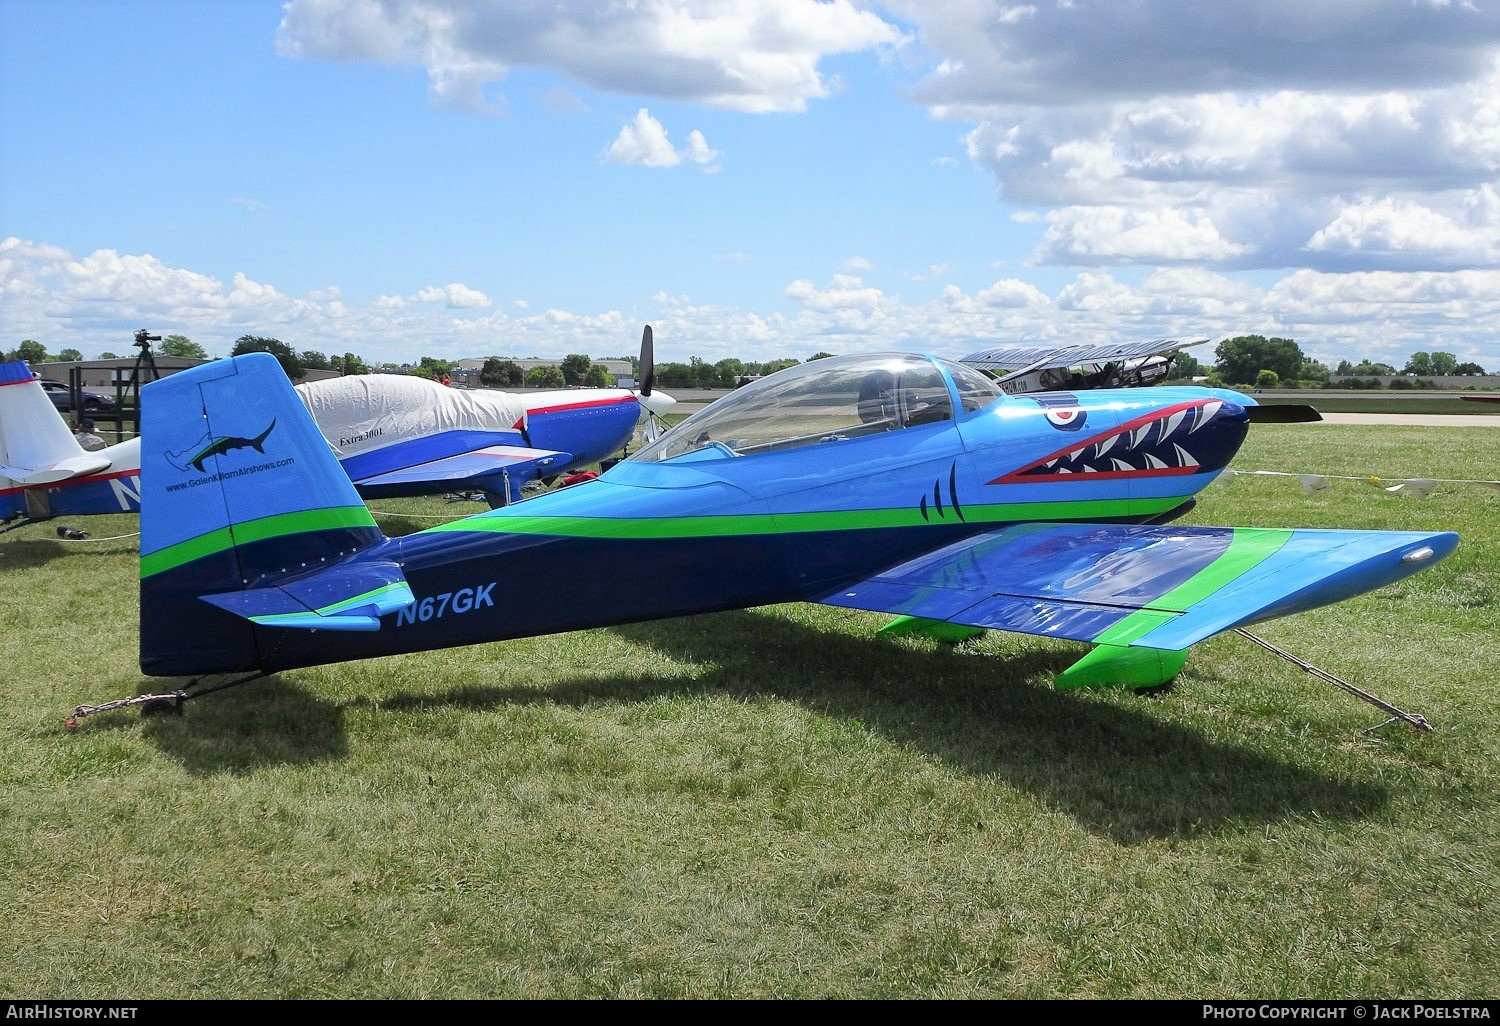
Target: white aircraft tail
[(36, 446)]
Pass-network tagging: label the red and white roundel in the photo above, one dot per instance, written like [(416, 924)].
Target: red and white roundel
[(1066, 420)]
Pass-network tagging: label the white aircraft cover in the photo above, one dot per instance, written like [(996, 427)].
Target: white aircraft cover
[(361, 412)]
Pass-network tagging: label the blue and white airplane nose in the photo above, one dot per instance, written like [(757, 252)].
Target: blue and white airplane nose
[(658, 402)]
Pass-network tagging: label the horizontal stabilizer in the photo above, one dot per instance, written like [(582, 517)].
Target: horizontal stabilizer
[(349, 598), (61, 470), (517, 460)]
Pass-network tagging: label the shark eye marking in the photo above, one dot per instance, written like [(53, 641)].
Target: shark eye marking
[(1165, 442)]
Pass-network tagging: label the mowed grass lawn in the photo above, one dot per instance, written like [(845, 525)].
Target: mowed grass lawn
[(777, 803)]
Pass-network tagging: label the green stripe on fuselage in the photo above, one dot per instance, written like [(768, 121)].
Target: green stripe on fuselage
[(641, 528), (300, 522), (651, 528)]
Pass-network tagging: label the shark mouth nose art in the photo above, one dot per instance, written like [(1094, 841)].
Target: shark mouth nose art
[(1190, 438)]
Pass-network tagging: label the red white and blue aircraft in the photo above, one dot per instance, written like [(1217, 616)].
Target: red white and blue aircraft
[(44, 472), (897, 483), (396, 434)]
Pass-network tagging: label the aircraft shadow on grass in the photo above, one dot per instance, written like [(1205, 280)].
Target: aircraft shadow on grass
[(1118, 773)]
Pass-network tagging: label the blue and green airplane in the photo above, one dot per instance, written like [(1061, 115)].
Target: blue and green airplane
[(893, 482)]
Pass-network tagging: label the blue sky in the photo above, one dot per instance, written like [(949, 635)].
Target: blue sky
[(457, 178)]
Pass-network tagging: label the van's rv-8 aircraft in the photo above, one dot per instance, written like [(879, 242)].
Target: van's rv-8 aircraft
[(892, 482)]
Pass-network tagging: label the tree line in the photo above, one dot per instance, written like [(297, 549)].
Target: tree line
[(1253, 361), (1262, 362), (496, 372)]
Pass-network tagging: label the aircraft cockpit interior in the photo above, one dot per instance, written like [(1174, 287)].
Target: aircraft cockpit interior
[(835, 398)]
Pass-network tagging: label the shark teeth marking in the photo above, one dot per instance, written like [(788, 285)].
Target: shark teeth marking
[(1157, 443)]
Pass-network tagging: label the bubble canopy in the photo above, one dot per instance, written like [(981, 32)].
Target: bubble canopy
[(833, 398)]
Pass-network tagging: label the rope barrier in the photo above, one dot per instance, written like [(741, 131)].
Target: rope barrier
[(73, 534), (1421, 487), (422, 516)]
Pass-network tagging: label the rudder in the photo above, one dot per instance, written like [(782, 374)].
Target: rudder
[(243, 505)]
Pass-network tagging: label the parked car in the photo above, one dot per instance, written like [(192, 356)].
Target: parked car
[(62, 397)]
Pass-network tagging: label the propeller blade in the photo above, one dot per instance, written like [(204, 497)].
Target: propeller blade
[(648, 369)]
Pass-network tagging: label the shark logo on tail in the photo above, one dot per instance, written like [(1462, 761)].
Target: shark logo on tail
[(195, 456)]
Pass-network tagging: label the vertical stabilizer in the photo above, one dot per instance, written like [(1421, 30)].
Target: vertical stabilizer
[(247, 519), (35, 443)]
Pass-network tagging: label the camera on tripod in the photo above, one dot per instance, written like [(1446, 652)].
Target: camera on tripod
[(144, 340)]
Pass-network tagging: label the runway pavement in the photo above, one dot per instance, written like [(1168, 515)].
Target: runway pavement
[(1421, 419)]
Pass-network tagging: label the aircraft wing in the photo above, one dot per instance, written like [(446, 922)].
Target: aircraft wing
[(475, 468), (1049, 368), (1154, 587), (1015, 358)]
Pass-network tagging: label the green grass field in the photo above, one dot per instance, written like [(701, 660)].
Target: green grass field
[(777, 803)]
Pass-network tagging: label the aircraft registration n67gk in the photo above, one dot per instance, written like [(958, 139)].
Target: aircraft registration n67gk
[(897, 483)]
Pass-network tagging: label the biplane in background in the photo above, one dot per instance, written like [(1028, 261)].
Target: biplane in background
[(397, 434), (44, 472), (896, 482), (1079, 366)]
